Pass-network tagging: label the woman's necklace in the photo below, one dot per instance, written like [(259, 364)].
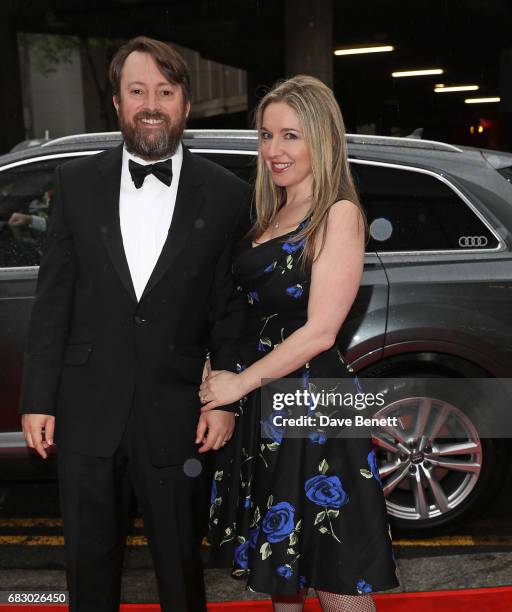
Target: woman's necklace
[(276, 224)]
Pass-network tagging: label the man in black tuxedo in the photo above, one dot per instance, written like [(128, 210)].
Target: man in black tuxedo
[(134, 289)]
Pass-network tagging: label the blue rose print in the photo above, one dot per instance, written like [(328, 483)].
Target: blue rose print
[(317, 437), (270, 267), (278, 522), (364, 587), (305, 384), (253, 536), (305, 378), (247, 502), (302, 582), (285, 571), (292, 247), (252, 297), (262, 347), (326, 491), (295, 291), (272, 431), (372, 463), (214, 492), (241, 555), (357, 383)]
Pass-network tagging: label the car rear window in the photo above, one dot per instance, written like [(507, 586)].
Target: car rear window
[(26, 193), (409, 210)]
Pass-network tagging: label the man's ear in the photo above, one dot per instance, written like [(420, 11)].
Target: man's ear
[(117, 102), (187, 109)]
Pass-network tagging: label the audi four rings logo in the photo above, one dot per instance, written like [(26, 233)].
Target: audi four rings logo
[(473, 241)]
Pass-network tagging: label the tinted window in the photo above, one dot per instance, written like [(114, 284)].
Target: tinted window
[(412, 211), (25, 197), (243, 166)]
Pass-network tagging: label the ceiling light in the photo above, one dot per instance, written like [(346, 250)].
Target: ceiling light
[(481, 100), (410, 73), (445, 89), (358, 50)]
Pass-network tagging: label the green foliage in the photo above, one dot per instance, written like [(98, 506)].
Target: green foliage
[(50, 50)]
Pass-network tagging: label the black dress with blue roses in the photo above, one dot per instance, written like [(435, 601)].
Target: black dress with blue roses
[(288, 513)]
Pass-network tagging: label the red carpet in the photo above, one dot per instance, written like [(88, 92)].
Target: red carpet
[(496, 599)]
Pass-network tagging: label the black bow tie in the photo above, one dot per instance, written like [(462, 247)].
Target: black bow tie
[(162, 171)]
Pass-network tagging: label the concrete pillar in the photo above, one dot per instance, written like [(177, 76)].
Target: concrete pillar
[(11, 104), (506, 98), (309, 44)]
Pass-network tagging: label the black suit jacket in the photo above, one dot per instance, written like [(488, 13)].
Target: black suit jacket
[(90, 342)]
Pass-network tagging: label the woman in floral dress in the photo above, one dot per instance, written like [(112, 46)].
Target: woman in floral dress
[(291, 513)]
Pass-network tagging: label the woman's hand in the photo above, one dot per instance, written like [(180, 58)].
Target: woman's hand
[(220, 388)]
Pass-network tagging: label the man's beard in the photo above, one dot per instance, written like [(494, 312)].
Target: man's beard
[(152, 143)]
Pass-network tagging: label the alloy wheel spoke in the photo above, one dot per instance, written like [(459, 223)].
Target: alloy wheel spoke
[(401, 441), (383, 443), (420, 499), (460, 466), (387, 469), (422, 416), (439, 421), (458, 448), (395, 480), (437, 491)]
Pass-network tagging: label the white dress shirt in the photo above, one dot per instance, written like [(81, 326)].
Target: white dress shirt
[(145, 215)]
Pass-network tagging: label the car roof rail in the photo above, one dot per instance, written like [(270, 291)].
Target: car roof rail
[(389, 141), (81, 138), (418, 143), (230, 134), (397, 141), (189, 134)]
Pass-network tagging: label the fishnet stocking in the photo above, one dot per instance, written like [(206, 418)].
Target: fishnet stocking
[(337, 602), (289, 603)]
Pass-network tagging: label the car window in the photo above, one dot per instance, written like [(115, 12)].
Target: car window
[(244, 166), (412, 211), (26, 193)]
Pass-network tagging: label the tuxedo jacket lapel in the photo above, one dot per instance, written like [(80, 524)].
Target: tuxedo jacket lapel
[(107, 188), (189, 201)]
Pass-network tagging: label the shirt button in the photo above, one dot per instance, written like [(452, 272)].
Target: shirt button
[(140, 320)]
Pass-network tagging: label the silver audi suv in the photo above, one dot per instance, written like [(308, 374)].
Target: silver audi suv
[(435, 302)]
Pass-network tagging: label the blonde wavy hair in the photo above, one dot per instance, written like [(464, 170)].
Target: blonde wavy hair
[(324, 134)]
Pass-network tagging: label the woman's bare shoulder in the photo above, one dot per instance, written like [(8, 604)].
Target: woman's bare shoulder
[(343, 214)]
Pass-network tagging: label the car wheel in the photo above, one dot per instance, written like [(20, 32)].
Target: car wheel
[(437, 468)]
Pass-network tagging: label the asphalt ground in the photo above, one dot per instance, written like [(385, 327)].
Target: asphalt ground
[(478, 554)]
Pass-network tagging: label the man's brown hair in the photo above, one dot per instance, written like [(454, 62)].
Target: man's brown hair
[(169, 61)]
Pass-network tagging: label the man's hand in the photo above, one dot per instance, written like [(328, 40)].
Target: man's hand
[(19, 219), (207, 368), (33, 426), (220, 425)]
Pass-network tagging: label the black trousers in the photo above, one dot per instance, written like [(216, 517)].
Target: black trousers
[(96, 497)]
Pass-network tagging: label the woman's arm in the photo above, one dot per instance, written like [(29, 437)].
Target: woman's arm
[(335, 278)]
